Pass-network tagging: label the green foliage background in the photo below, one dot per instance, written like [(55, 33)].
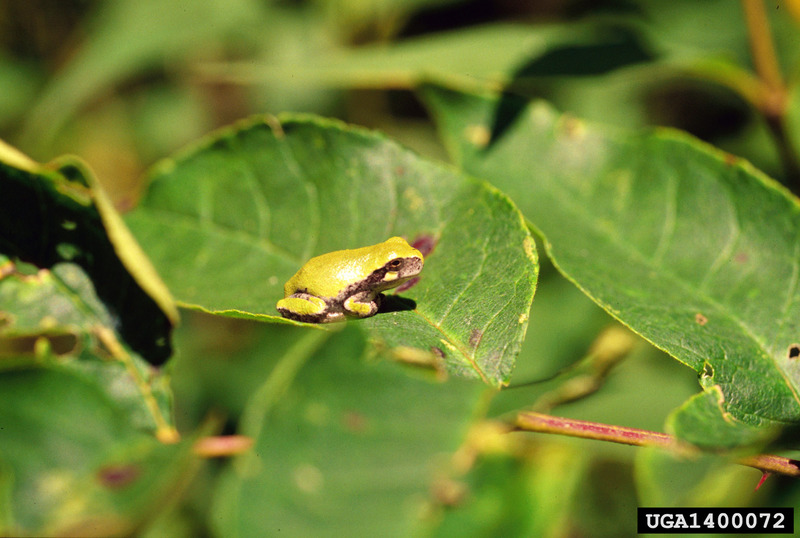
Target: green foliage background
[(213, 128)]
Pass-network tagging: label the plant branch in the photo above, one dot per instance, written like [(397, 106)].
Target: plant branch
[(537, 422), (772, 99), (764, 58)]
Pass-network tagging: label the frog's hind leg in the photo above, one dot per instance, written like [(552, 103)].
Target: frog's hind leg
[(303, 307), (362, 305)]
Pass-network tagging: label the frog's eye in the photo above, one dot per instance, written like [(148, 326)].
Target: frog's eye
[(395, 263)]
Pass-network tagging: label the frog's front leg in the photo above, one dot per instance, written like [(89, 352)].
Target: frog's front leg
[(363, 304), (304, 307)]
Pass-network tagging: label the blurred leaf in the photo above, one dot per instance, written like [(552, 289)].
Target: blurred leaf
[(574, 66), (482, 57), (565, 323), (622, 395), (353, 16), (165, 118), (221, 362), (53, 319), (513, 494), (701, 414), (49, 301), (58, 213), (228, 222), (792, 117), (78, 414), (333, 462), (695, 250), (127, 38), (73, 464), (580, 379), (613, 48), (605, 501), (687, 30), (707, 45), (19, 82), (784, 492), (664, 479)]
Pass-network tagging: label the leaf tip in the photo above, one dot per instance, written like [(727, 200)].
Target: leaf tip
[(168, 435)]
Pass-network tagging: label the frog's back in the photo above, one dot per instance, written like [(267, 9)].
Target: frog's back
[(327, 275)]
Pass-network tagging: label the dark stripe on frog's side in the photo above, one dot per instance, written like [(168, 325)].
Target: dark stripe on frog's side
[(371, 282)]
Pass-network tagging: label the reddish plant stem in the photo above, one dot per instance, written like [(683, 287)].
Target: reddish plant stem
[(772, 464), (537, 422)]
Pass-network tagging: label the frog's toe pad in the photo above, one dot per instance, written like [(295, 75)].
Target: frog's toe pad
[(362, 310)]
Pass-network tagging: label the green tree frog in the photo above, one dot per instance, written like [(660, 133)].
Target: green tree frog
[(348, 282)]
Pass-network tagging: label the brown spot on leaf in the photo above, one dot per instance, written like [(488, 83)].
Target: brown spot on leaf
[(118, 476), (438, 352), (794, 351), (741, 257), (700, 319), (354, 422), (475, 337), (449, 492), (731, 159), (125, 203)]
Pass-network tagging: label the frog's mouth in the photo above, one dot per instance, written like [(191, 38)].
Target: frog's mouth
[(390, 277), (394, 282)]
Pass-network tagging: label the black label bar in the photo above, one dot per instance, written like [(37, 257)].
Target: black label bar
[(716, 520)]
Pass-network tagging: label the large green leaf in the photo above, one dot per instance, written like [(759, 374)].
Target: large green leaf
[(228, 222), (72, 464), (58, 213), (83, 419), (53, 319), (334, 462), (692, 248)]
